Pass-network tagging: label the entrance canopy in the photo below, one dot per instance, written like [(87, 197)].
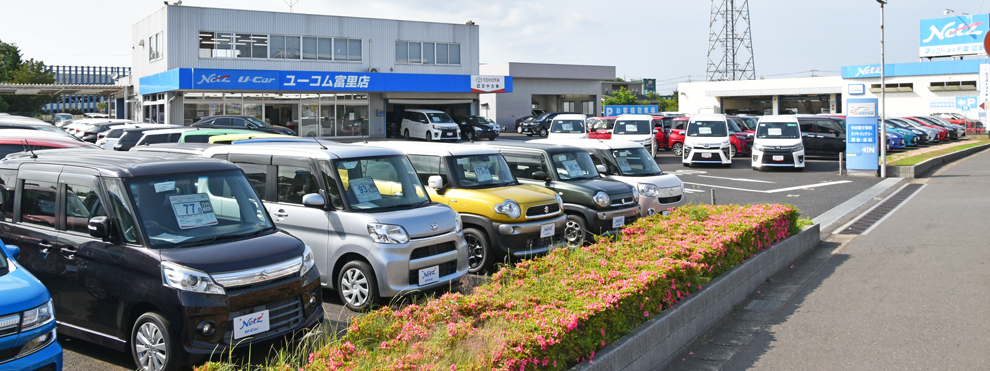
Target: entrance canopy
[(52, 89)]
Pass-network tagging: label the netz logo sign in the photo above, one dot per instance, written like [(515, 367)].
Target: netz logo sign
[(218, 78), (862, 110), (869, 70), (950, 30)]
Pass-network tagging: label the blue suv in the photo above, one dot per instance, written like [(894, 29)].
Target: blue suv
[(27, 319)]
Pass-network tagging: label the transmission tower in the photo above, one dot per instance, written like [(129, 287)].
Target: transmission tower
[(730, 46)]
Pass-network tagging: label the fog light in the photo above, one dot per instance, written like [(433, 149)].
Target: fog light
[(36, 344), (207, 328), (651, 212), (601, 216), (800, 159), (312, 299), (665, 212)]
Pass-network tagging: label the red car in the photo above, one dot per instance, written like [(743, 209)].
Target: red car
[(601, 128), (943, 133), (675, 141), (972, 127), (741, 136), (10, 144)]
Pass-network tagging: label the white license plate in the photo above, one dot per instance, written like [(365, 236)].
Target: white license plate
[(618, 221), (450, 134), (251, 324), (429, 275), (546, 230), (706, 155), (778, 158)]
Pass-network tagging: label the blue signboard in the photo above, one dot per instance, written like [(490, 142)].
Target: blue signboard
[(965, 103), (857, 89), (861, 134), (956, 35), (630, 110), (914, 69)]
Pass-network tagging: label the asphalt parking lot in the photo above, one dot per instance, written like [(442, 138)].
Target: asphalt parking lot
[(814, 191)]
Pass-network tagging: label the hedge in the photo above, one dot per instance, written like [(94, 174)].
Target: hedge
[(552, 312)]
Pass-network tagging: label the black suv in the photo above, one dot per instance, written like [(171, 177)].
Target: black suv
[(822, 136), (172, 258), (541, 124), (476, 127), (241, 122)]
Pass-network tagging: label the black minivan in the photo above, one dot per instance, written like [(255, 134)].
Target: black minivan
[(172, 258)]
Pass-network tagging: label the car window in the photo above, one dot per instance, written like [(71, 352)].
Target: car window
[(154, 138), (8, 187), (196, 138), (294, 182), (827, 127), (632, 127), (481, 171), (575, 165), (679, 124), (429, 165), (707, 129), (379, 183), (222, 121), (733, 126), (777, 130), (238, 122), (523, 166), (38, 203), (567, 126), (114, 133), (807, 126), (81, 204), (122, 215), (257, 175)]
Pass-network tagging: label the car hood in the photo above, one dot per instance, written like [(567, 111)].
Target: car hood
[(237, 255), (21, 291), (662, 181), (567, 135), (611, 187), (419, 222)]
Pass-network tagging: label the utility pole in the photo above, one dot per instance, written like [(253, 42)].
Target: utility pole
[(883, 103)]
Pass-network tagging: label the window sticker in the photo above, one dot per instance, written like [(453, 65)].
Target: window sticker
[(481, 172), (623, 164), (164, 187), (193, 211), (435, 119), (775, 131), (365, 189), (561, 157), (791, 124), (463, 161), (631, 128), (573, 169), (349, 165), (704, 130), (170, 238), (566, 127)]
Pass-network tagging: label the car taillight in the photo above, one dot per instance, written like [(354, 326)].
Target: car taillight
[(101, 136)]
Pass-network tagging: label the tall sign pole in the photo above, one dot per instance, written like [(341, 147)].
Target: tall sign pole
[(883, 100)]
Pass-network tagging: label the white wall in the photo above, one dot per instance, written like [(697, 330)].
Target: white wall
[(919, 101)]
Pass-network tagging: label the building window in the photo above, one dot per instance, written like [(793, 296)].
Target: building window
[(588, 108), (408, 52), (324, 49), (276, 47), (231, 45), (309, 50), (155, 47), (569, 106), (292, 48)]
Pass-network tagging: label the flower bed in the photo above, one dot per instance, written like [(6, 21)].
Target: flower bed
[(555, 311)]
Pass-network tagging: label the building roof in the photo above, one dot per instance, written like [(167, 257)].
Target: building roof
[(549, 71), (120, 164), (52, 89)]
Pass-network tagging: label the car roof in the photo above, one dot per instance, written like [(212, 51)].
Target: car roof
[(63, 142), (779, 118), (240, 116), (635, 117), (119, 164), (708, 117), (435, 149), (315, 150), (544, 147), (424, 110), (570, 116), (242, 136), (212, 132), (589, 143), (180, 148), (168, 131)]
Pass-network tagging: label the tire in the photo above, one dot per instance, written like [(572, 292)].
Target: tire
[(756, 169), (491, 139), (357, 287), (685, 164), (480, 255), (678, 149), (152, 346), (405, 134), (575, 231), (732, 151), (429, 138), (543, 133), (519, 129)]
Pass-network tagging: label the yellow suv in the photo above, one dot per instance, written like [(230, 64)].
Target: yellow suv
[(501, 216)]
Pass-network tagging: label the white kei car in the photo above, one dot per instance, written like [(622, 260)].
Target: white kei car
[(429, 124)]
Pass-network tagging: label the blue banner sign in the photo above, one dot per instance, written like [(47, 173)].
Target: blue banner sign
[(861, 134), (914, 69), (630, 110), (956, 35)]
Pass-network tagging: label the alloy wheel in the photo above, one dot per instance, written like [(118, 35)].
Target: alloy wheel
[(354, 285), (573, 234), (150, 347), (476, 252), (732, 151), (678, 149)]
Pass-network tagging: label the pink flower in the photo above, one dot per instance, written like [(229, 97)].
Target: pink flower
[(646, 314)]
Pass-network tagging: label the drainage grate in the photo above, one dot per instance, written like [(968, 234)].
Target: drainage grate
[(763, 305), (869, 219)]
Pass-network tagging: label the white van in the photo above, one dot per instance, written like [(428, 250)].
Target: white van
[(636, 128), (778, 143), (706, 141), (568, 126), (428, 124)]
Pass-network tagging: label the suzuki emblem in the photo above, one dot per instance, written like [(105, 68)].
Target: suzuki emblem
[(434, 226), (546, 209), (265, 274)]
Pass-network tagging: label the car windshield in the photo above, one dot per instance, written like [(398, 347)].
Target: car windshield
[(734, 126), (749, 123), (778, 130), (257, 122), (632, 127), (635, 162), (841, 121), (479, 171), (114, 133), (439, 118), (707, 129), (574, 165), (197, 209), (567, 126), (378, 183)]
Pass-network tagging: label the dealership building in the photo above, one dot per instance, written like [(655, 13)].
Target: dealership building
[(319, 75), (549, 87)]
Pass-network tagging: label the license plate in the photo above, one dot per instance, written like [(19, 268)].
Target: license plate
[(546, 230), (450, 134), (429, 275), (251, 324), (778, 158), (618, 221), (706, 155)]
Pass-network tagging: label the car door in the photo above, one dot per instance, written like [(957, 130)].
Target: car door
[(831, 137), (809, 137), (295, 177), (90, 268), (32, 227)]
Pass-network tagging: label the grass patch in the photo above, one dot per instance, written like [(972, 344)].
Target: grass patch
[(917, 159)]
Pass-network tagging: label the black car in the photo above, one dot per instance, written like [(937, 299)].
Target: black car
[(241, 122), (171, 258), (130, 137), (822, 136), (541, 124), (476, 127)]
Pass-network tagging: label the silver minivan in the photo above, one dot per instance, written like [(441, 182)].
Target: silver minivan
[(374, 230)]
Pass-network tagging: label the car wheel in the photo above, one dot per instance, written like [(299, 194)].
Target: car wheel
[(429, 138), (543, 133), (357, 286), (519, 129), (756, 169), (479, 253), (492, 139), (685, 164), (575, 231), (405, 134), (152, 345), (732, 151), (678, 149)]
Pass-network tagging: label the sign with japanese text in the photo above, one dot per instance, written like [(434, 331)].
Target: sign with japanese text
[(630, 110), (861, 134), (955, 35)]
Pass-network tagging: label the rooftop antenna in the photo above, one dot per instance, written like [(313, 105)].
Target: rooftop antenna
[(27, 148), (321, 144), (290, 3)]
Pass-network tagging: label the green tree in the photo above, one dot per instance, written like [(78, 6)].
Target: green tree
[(621, 97), (30, 72), (10, 60)]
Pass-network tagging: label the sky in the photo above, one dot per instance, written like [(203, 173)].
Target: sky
[(662, 39)]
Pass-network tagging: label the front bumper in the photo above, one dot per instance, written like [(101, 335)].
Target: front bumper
[(602, 224), (49, 356), (698, 156), (778, 159), (649, 206), (397, 266), (445, 134), (523, 239)]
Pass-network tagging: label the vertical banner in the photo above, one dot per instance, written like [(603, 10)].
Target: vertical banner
[(861, 134), (984, 83)]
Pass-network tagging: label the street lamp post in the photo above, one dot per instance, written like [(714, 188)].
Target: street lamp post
[(883, 96)]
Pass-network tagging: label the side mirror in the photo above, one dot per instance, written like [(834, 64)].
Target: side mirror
[(655, 131), (804, 134), (601, 169), (13, 251), (98, 226), (313, 200), (539, 175), (435, 181)]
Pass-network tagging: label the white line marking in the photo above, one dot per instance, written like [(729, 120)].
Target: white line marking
[(867, 231), (736, 179), (732, 188), (693, 191), (774, 190)]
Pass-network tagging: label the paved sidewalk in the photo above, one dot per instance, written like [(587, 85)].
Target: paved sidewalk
[(912, 294)]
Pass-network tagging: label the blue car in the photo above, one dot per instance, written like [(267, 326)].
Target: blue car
[(27, 319), (896, 141), (910, 137)]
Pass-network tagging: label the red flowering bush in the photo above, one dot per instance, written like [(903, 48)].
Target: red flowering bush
[(552, 312)]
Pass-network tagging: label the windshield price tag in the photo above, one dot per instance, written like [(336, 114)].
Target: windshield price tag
[(704, 130), (623, 164), (573, 169), (164, 187), (365, 189), (631, 128), (193, 211), (618, 221), (481, 172), (775, 131), (566, 127)]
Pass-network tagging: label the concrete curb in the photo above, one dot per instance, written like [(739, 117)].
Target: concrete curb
[(919, 170), (654, 344)]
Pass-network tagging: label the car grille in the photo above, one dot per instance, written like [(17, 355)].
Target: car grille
[(446, 269), (622, 202), (283, 316), (10, 324), (541, 243), (697, 158), (432, 250), (669, 200), (768, 157), (452, 134), (542, 210)]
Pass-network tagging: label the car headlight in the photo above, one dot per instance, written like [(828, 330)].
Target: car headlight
[(387, 233), (916, 131), (758, 147), (308, 261), (797, 148), (726, 145), (187, 279), (436, 127), (477, 129), (560, 201), (648, 189), (458, 224), (509, 208), (749, 135), (601, 198), (37, 316)]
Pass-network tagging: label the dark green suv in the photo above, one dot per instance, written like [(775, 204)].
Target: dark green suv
[(594, 205)]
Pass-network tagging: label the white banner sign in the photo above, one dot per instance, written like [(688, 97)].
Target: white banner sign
[(487, 84), (984, 83)]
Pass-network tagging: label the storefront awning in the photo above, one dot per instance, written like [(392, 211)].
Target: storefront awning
[(52, 89), (430, 101)]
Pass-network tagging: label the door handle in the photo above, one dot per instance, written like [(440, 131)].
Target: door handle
[(281, 214), (45, 247), (68, 253)]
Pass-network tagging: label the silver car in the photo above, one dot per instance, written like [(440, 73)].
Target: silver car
[(371, 224)]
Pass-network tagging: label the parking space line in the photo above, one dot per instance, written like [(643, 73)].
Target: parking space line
[(736, 179), (722, 187), (774, 190)]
